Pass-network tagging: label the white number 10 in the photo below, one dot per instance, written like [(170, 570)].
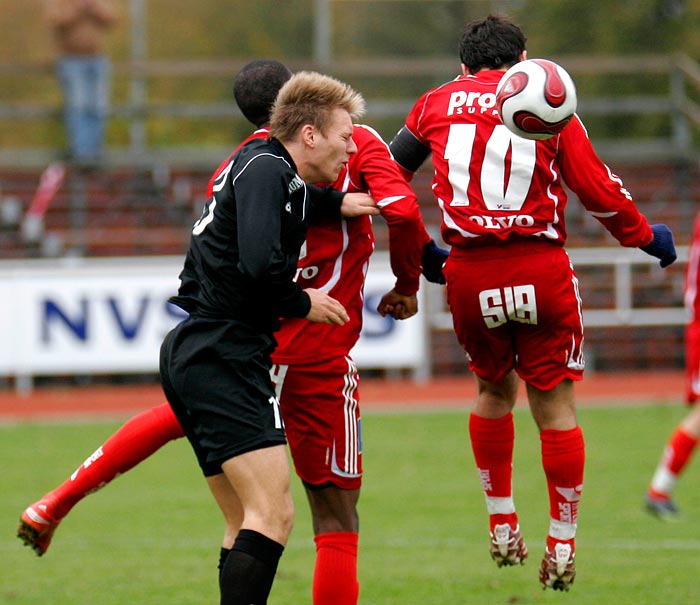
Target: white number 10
[(497, 192)]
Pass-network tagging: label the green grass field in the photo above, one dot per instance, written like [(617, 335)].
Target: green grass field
[(152, 537)]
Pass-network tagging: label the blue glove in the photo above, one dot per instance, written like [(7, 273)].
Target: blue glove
[(432, 260), (662, 245)]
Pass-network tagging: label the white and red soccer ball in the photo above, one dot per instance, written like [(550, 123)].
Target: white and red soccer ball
[(536, 98)]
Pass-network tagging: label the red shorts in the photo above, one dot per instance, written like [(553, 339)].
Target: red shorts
[(692, 362), (517, 306), (321, 414)]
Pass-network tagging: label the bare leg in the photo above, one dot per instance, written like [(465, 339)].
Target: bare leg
[(230, 506), (691, 423), (496, 399), (259, 483), (334, 509), (554, 409)]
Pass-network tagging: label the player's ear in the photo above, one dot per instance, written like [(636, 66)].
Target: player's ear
[(523, 56), (308, 135), (465, 70)]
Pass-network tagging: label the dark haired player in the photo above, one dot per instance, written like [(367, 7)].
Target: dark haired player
[(510, 285)]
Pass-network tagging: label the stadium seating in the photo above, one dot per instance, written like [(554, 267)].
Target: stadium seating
[(132, 211)]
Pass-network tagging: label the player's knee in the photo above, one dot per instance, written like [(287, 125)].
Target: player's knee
[(282, 517), (287, 519)]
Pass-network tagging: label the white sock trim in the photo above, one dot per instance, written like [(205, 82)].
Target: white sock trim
[(664, 480), (500, 506), (562, 531)]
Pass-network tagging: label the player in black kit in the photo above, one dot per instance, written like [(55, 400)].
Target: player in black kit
[(236, 283)]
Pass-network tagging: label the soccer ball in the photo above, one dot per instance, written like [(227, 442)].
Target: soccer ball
[(536, 98)]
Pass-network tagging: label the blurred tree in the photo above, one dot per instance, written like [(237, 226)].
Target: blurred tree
[(361, 31), (215, 28)]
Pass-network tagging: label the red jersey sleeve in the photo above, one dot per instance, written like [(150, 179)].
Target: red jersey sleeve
[(601, 191), (381, 176)]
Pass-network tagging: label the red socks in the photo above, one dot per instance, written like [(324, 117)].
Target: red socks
[(563, 459), (135, 441), (676, 455), (492, 443), (335, 576), (679, 450)]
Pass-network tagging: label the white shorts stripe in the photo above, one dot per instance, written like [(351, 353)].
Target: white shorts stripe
[(350, 411)]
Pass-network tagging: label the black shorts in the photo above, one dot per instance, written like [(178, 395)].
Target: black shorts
[(216, 376)]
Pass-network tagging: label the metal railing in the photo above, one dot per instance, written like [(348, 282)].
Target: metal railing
[(676, 102)]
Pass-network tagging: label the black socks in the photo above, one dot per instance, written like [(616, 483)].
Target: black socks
[(247, 571)]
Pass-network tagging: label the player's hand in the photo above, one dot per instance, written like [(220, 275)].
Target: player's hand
[(433, 259), (398, 306), (358, 204), (662, 246), (326, 309)]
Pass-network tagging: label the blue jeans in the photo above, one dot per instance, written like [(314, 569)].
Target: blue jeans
[(86, 83)]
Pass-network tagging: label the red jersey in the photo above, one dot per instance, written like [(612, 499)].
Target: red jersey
[(335, 257), (493, 185), (691, 297), (692, 275)]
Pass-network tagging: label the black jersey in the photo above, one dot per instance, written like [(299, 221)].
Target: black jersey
[(244, 249)]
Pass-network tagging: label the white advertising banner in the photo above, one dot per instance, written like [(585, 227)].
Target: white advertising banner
[(109, 316)]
